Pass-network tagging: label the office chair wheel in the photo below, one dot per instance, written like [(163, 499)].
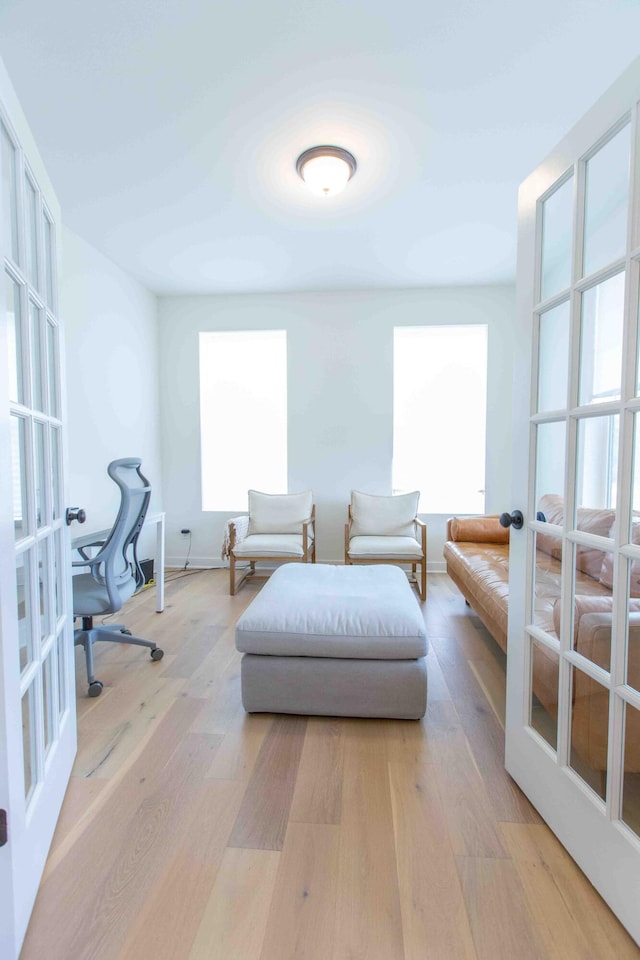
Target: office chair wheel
[(127, 633), (157, 654), (95, 688)]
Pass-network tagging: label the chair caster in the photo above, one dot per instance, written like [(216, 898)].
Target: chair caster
[(157, 654), (95, 688), (127, 633)]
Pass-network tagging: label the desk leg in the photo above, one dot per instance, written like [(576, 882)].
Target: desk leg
[(160, 565)]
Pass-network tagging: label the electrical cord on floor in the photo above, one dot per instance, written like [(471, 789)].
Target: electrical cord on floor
[(189, 573), (186, 562)]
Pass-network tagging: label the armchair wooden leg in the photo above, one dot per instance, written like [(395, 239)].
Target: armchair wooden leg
[(232, 575), (423, 579)]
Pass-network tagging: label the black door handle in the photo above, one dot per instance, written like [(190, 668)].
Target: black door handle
[(514, 519), (75, 513)]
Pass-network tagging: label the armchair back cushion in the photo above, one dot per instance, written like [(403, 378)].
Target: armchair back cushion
[(279, 512), (375, 516)]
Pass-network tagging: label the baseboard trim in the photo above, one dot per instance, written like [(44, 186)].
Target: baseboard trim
[(216, 563)]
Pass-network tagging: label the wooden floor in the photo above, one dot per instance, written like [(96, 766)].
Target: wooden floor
[(191, 830)]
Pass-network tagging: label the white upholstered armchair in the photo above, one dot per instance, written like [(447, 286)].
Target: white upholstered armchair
[(278, 528), (387, 530)]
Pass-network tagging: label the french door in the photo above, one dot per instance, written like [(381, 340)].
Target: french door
[(37, 698), (573, 677)]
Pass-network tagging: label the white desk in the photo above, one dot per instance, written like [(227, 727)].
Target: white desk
[(158, 519)]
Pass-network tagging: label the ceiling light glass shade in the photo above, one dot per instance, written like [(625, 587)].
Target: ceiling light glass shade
[(326, 170)]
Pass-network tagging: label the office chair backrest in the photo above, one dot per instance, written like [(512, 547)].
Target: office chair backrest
[(112, 566)]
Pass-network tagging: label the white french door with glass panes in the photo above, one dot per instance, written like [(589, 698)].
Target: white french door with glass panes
[(573, 675), (37, 695)]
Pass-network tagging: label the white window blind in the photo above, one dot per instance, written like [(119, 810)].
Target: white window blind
[(243, 416), (439, 415)]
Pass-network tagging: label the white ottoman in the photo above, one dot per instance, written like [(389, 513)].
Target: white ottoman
[(345, 641)]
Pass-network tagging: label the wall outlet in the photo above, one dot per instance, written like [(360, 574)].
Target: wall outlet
[(185, 532)]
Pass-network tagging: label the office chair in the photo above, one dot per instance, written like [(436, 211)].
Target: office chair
[(115, 573)]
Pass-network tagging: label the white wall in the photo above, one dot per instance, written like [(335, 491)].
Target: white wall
[(340, 398), (111, 347)]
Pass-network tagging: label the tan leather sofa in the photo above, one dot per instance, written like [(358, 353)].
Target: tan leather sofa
[(477, 556)]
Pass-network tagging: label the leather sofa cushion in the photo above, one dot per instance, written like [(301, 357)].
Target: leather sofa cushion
[(552, 506), (606, 574), (589, 520)]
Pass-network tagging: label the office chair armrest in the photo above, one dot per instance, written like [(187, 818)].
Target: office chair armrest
[(85, 556)]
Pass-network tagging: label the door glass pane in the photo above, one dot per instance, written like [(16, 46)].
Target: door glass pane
[(48, 261), (557, 231), (636, 468), (9, 194), (632, 570), (18, 469), (590, 731), (36, 356), (43, 589), (48, 692), (592, 603), (23, 591), (62, 687), (28, 739), (631, 782), (553, 352), (15, 341), (606, 201), (543, 715), (596, 476), (58, 574), (31, 201), (550, 459), (56, 508), (52, 368), (546, 583), (39, 439), (601, 341)]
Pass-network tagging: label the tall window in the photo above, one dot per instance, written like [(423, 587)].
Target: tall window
[(439, 415), (243, 416)]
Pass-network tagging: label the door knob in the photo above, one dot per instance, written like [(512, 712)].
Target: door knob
[(75, 513), (514, 519)]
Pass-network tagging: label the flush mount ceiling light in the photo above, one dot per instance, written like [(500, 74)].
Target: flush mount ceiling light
[(326, 170)]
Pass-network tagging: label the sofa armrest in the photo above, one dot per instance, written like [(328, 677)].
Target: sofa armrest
[(484, 529)]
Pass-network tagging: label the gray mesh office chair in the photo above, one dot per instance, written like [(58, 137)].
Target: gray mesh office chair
[(114, 572)]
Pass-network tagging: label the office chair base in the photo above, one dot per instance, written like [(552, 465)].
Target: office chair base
[(114, 633)]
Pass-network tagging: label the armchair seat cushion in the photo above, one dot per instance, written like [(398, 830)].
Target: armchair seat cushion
[(270, 545), (90, 598), (384, 548)]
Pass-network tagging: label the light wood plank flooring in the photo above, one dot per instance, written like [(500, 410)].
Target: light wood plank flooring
[(193, 831)]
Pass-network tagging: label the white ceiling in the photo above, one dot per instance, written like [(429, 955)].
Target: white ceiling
[(171, 128)]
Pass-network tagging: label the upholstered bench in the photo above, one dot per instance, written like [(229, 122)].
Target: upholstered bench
[(334, 641)]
